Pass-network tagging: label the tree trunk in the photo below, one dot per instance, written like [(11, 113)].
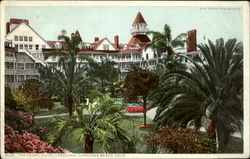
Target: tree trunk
[(89, 143), (103, 90), (144, 111), (70, 104)]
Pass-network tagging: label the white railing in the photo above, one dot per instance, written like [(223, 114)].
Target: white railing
[(44, 63), (141, 30)]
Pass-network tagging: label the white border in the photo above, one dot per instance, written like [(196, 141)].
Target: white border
[(246, 34)]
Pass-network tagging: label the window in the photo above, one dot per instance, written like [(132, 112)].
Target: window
[(20, 38), (20, 66), (21, 46), (37, 47), (105, 47), (20, 78), (16, 46), (29, 66), (28, 77), (146, 56), (26, 46), (9, 78), (25, 38), (16, 38), (9, 54), (30, 38), (9, 65), (30, 47)]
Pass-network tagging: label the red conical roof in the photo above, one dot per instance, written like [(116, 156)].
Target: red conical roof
[(139, 19)]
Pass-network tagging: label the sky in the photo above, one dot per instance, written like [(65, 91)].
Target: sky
[(108, 21)]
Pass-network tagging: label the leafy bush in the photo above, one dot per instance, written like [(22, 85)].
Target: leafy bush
[(137, 109), (22, 141), (176, 139), (19, 120), (9, 100)]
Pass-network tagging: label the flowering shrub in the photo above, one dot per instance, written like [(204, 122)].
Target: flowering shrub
[(19, 120), (210, 129), (22, 141), (181, 140), (137, 109)]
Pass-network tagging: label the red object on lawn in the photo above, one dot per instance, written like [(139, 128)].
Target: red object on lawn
[(137, 109)]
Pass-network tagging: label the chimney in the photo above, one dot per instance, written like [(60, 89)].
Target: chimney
[(7, 27), (116, 39), (96, 39), (191, 41)]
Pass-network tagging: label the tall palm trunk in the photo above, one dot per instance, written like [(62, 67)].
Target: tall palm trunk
[(89, 142), (145, 111), (70, 104)]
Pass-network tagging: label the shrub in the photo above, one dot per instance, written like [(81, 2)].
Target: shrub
[(19, 120), (137, 109), (181, 140), (9, 99), (23, 141)]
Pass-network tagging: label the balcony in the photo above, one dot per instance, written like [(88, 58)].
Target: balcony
[(139, 31)]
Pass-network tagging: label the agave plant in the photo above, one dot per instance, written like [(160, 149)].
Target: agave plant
[(99, 121)]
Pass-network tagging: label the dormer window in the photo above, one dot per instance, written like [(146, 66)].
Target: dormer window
[(105, 47), (58, 45)]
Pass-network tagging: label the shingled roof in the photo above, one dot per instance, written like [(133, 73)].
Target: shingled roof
[(138, 39), (139, 19)]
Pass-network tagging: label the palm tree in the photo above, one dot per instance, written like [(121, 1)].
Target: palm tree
[(103, 74), (69, 80), (213, 87), (101, 123), (164, 42)]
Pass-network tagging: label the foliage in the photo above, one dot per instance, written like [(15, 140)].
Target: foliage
[(31, 97), (22, 141), (177, 139), (212, 87), (102, 74), (101, 123), (117, 89), (68, 81), (137, 109), (9, 101), (19, 120), (140, 82), (22, 101), (164, 42)]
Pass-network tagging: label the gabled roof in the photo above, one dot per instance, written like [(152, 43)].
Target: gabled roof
[(29, 27), (99, 42), (52, 43), (138, 39), (139, 19)]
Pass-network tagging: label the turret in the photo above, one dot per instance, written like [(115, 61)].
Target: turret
[(139, 26)]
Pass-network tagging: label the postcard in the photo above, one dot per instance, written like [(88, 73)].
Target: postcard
[(124, 79)]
